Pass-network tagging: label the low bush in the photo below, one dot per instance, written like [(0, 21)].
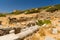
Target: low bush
[(41, 22), (52, 10), (2, 15), (47, 21)]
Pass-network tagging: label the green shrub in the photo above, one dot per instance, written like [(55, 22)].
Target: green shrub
[(45, 7), (16, 12), (40, 22), (2, 15), (33, 10), (57, 6), (47, 21), (52, 9), (27, 12)]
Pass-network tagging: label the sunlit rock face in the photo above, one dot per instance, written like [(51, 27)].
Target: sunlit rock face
[(11, 31), (9, 37), (49, 38), (55, 21), (15, 33), (54, 31)]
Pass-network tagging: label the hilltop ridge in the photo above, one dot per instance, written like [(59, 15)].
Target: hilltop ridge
[(33, 10)]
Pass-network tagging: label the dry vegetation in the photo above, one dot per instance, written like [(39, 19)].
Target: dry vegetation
[(44, 15)]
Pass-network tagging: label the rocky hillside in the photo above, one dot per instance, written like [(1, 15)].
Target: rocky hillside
[(19, 18)]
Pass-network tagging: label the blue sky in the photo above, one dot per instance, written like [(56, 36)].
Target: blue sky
[(10, 5)]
